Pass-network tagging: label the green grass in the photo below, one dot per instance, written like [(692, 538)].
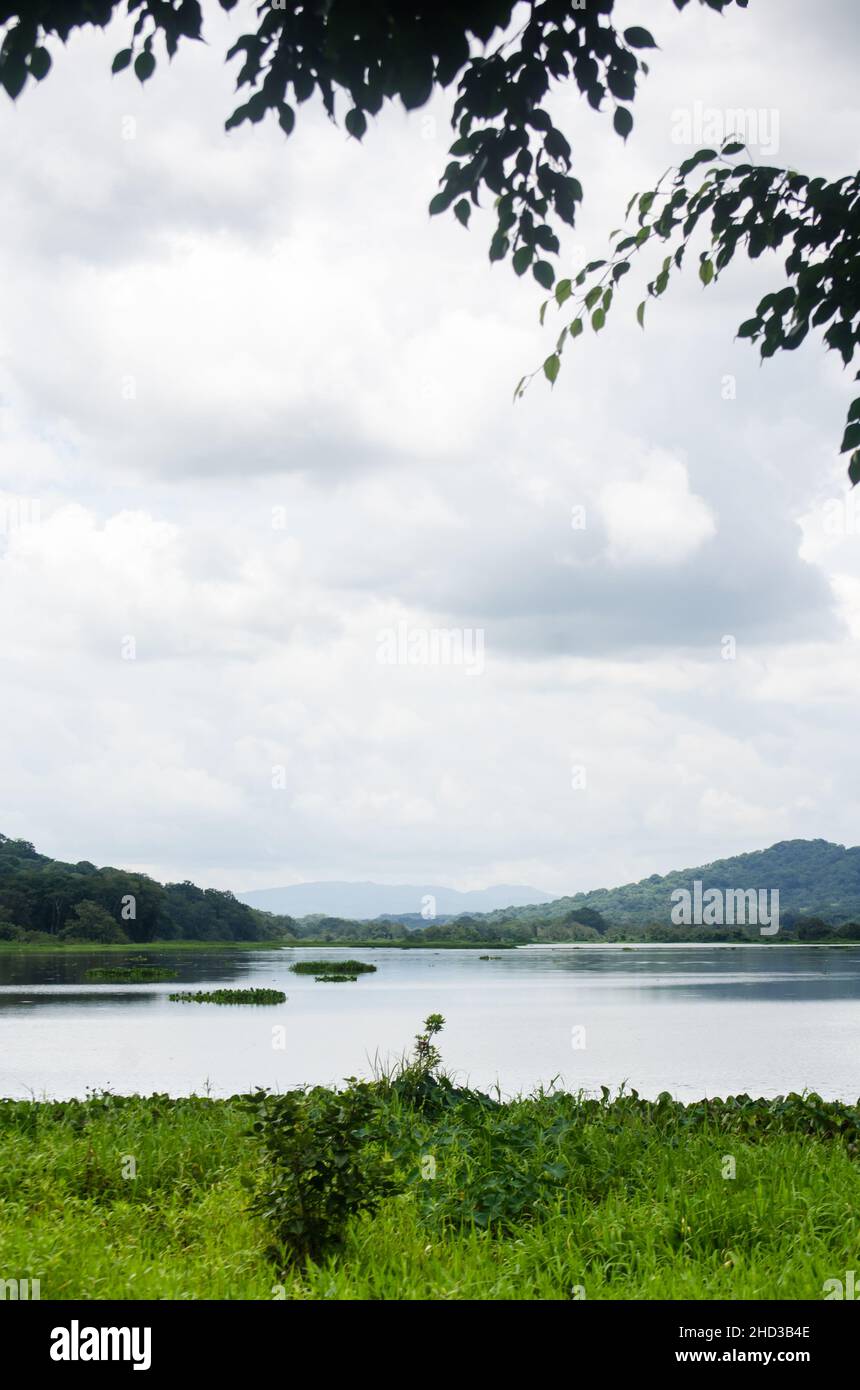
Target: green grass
[(28, 948), (230, 996), (623, 1198)]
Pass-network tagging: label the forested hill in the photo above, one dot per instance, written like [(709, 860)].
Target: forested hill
[(80, 902), (815, 878), (45, 900)]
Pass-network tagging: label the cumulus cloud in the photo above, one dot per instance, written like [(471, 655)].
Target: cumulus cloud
[(655, 519), (261, 405)]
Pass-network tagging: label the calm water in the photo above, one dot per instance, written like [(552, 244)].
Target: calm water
[(694, 1021)]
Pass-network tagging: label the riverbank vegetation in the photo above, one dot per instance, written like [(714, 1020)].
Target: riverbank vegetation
[(46, 904), (408, 1187), (128, 975)]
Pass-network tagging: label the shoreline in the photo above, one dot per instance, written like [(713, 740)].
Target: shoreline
[(103, 948)]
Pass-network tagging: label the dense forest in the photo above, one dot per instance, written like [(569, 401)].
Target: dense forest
[(45, 900), (815, 880)]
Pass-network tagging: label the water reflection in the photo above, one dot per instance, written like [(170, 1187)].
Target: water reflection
[(691, 1020)]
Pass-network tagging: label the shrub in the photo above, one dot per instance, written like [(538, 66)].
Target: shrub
[(91, 922), (324, 1165), (811, 929)]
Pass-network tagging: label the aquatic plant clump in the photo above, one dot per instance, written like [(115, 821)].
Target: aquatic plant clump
[(334, 979), (230, 996), (129, 974), (348, 968)]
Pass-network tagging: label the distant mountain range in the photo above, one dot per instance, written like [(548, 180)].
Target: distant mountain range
[(814, 878), (360, 902)]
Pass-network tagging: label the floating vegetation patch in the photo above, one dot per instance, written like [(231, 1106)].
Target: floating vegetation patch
[(333, 979), (231, 996), (129, 974), (326, 968)]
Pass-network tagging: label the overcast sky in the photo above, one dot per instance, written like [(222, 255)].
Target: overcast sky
[(264, 405)]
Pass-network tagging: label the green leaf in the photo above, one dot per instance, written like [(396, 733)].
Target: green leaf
[(700, 157), (598, 319), (122, 60), (462, 210), (522, 259), (576, 328), (238, 116), (544, 274), (563, 291), (854, 412), (356, 122), (286, 118), (640, 314), (551, 368), (706, 271), (441, 202), (592, 297), (40, 63), (623, 121), (13, 75), (854, 469), (637, 37), (556, 1171), (144, 66), (851, 439), (733, 147)]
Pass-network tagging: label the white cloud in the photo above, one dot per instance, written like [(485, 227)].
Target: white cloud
[(654, 519), (320, 441)]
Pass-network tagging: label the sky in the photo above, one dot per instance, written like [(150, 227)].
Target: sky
[(291, 589)]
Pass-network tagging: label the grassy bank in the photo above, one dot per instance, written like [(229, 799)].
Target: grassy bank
[(68, 948), (362, 944), (529, 1199), (88, 948)]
